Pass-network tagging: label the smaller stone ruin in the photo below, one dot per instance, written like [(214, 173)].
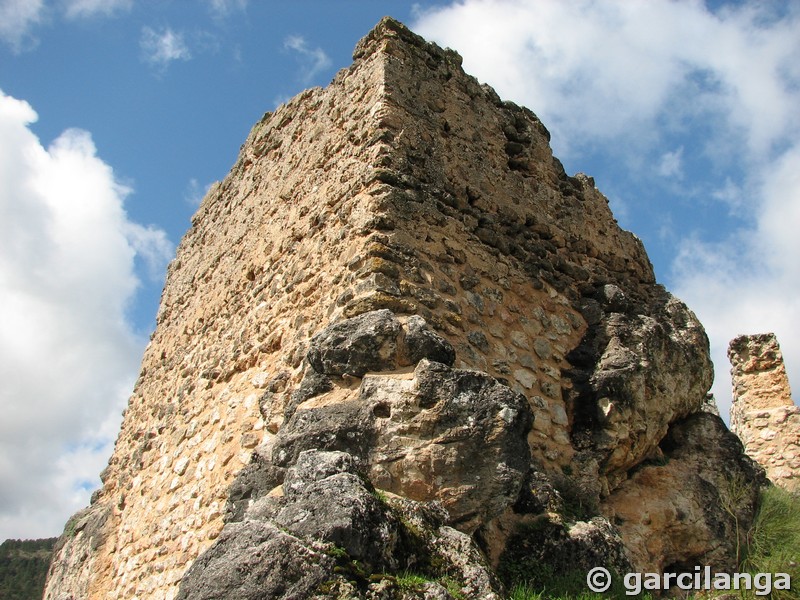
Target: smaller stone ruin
[(763, 414)]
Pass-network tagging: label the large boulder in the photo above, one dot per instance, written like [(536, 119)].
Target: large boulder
[(376, 341), (326, 500), (640, 367), (254, 560), (456, 436)]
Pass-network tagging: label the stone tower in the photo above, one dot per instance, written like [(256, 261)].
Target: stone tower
[(763, 414), (399, 336)]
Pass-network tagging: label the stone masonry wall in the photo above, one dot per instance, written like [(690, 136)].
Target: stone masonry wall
[(763, 414)]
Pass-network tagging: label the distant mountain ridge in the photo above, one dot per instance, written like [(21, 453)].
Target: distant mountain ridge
[(23, 568)]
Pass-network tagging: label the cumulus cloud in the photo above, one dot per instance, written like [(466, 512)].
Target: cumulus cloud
[(163, 47), (312, 60), (76, 9), (606, 69), (636, 80), (17, 18), (68, 355)]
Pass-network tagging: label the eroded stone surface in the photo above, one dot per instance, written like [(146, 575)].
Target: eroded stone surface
[(376, 341), (647, 368), (256, 560), (546, 546), (76, 551)]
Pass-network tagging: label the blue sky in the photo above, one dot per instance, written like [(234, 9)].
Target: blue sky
[(116, 115)]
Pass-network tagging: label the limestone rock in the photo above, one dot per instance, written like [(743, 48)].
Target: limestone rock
[(75, 552), (763, 414), (443, 434), (329, 517), (693, 505), (364, 343), (339, 509), (647, 368), (710, 405), (376, 341), (422, 342), (255, 480), (450, 435), (546, 547), (254, 560)]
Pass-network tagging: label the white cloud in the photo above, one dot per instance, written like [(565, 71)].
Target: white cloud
[(750, 283), (671, 164), (626, 79), (223, 8), (160, 48), (730, 193), (313, 60), (17, 18), (68, 356), (609, 69), (152, 245), (79, 9)]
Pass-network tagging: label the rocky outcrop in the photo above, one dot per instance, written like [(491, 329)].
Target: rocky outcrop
[(399, 337), (436, 433), (763, 414), (75, 553), (640, 369), (694, 504), (326, 532)]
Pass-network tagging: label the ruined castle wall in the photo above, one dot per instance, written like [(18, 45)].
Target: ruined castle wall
[(408, 186), (763, 414)]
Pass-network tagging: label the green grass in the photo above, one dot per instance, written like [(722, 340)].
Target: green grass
[(413, 581), (568, 586), (409, 580), (453, 587), (774, 541), (524, 592)]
